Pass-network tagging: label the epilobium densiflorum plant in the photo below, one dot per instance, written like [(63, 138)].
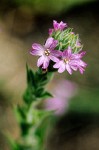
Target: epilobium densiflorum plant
[(62, 47), (62, 51)]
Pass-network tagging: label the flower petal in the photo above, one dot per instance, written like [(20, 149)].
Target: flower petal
[(81, 69), (49, 42), (51, 31), (82, 53), (68, 69), (59, 26), (79, 55), (62, 25), (64, 54), (55, 24), (67, 52), (58, 64), (74, 62), (37, 49), (54, 44), (62, 68), (53, 58), (82, 63), (40, 61), (46, 63), (56, 53), (74, 67)]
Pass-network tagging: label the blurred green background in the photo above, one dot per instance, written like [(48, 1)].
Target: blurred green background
[(23, 22)]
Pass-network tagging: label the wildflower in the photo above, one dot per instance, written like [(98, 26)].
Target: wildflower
[(46, 52), (63, 91), (70, 61), (57, 26), (51, 31)]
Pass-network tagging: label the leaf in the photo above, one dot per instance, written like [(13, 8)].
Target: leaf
[(39, 92), (29, 96), (25, 128), (20, 113), (30, 77), (46, 95), (12, 143), (42, 78), (42, 130)]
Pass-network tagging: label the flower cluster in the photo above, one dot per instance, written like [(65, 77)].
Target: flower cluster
[(62, 47), (57, 26)]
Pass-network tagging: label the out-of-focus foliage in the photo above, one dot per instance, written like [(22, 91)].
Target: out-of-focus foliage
[(50, 6), (87, 101)]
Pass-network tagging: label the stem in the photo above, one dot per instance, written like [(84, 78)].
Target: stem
[(33, 121)]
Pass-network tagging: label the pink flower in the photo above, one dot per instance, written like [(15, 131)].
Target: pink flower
[(63, 91), (46, 52), (57, 26), (78, 44), (70, 61), (51, 31)]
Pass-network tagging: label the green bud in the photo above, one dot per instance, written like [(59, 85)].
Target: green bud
[(67, 38)]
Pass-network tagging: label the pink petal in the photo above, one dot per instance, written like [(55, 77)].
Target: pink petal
[(74, 67), (78, 44), (74, 62), (55, 24), (54, 44), (62, 68), (67, 53), (46, 63), (81, 70), (49, 42), (79, 55), (40, 61), (62, 25), (56, 53), (59, 26), (75, 56), (58, 64), (82, 53), (53, 58), (51, 31), (56, 104), (68, 69), (82, 63), (37, 49), (64, 54)]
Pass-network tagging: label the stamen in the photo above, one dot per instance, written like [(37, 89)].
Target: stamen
[(47, 52), (66, 60)]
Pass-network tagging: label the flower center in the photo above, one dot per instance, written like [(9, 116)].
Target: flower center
[(66, 60), (47, 52)]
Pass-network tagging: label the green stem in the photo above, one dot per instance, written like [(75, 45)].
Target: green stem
[(31, 118)]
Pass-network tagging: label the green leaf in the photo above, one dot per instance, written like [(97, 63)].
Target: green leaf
[(30, 77), (25, 127), (39, 92), (46, 95), (12, 143), (42, 130), (20, 113), (29, 96)]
